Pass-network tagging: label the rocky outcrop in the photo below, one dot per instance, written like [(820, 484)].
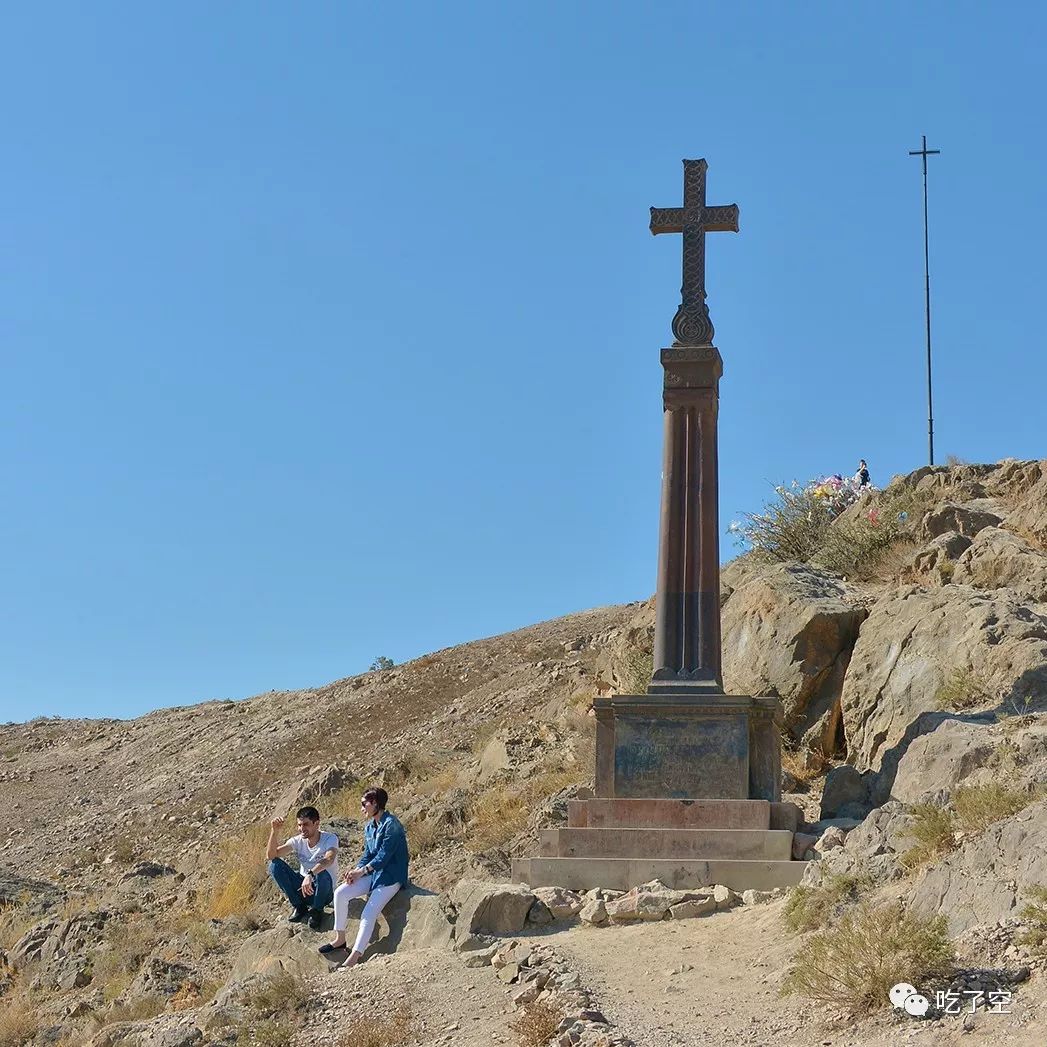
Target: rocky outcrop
[(909, 647), (949, 518), (1000, 559), (788, 631), (871, 848), (1028, 515), (935, 763), (985, 880)]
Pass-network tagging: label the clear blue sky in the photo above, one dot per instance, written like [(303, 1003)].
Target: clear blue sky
[(332, 330)]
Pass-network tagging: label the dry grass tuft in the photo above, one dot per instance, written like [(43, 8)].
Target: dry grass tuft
[(805, 765), (423, 834), (536, 1024), (854, 963), (388, 1030), (239, 873), (18, 1021), (282, 992), (138, 1010), (15, 920), (978, 806), (267, 1032), (116, 961), (503, 810), (810, 908)]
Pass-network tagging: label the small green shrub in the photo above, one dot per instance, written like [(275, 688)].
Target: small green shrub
[(933, 830), (854, 963), (1034, 916), (802, 523), (808, 908), (961, 689)]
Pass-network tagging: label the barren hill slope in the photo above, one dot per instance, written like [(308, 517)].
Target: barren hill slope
[(908, 646)]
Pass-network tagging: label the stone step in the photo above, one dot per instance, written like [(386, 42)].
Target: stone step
[(719, 844), (621, 874), (608, 813)]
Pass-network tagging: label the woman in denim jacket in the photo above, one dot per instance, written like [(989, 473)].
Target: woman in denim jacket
[(380, 873)]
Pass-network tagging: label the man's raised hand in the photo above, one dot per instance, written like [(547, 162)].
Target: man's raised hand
[(276, 823)]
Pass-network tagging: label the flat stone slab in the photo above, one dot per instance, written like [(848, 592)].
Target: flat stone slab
[(746, 844), (645, 813), (622, 874)]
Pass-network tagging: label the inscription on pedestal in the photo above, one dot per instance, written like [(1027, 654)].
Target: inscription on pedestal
[(680, 757)]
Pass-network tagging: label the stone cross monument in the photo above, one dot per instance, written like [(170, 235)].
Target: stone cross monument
[(687, 777), (685, 737), (687, 633)]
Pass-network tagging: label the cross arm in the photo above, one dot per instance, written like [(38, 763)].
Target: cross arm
[(721, 219), (666, 220)]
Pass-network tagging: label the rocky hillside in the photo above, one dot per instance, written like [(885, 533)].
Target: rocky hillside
[(913, 671)]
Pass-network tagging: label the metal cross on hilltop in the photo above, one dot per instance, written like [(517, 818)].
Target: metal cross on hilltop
[(691, 325)]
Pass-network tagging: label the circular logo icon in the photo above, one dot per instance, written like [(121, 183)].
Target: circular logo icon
[(901, 992), (917, 1005)]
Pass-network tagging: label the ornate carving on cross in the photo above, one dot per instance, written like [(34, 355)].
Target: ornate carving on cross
[(691, 325)]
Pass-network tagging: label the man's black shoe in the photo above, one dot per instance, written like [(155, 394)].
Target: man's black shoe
[(298, 916), (316, 921)]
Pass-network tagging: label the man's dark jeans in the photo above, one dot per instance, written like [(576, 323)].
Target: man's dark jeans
[(290, 883)]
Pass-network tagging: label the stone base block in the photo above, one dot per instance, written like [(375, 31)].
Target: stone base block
[(611, 812), (621, 874), (688, 746), (748, 844)]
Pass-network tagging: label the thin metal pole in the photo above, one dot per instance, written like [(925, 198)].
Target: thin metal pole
[(924, 153)]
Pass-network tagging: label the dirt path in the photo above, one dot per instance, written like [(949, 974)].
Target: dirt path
[(715, 982), (449, 1002)]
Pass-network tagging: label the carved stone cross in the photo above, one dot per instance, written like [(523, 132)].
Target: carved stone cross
[(691, 325)]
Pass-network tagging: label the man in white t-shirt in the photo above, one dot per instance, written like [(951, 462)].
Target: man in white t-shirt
[(311, 888)]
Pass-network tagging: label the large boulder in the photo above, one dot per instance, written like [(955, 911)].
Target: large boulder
[(1028, 515), (935, 763), (965, 519), (278, 950), (491, 908), (871, 848), (788, 632), (913, 642), (415, 919), (986, 879), (1000, 559)]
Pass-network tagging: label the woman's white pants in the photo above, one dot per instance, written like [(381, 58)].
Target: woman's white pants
[(373, 906)]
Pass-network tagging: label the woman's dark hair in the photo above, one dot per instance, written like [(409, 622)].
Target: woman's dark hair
[(377, 796)]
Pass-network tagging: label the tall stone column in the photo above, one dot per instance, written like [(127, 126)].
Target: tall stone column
[(687, 627)]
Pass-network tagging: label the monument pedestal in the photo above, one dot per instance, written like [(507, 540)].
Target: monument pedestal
[(688, 746), (687, 792)]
